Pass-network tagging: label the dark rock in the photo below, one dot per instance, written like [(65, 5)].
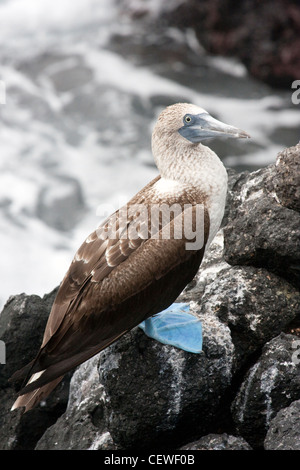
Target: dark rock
[(20, 431), (260, 231), (22, 324), (218, 442), (284, 430), (270, 385), (264, 35), (154, 391), (255, 304), (81, 427), (287, 178), (146, 394), (212, 265)]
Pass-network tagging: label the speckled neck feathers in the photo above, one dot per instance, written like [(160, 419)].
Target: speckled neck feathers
[(188, 164), (180, 160)]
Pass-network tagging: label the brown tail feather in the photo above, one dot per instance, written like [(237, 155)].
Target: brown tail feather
[(30, 399), (23, 373), (41, 383)]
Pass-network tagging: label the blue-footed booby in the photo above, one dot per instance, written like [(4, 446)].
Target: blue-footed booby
[(132, 268)]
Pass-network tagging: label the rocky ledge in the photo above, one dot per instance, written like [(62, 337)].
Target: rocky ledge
[(241, 392)]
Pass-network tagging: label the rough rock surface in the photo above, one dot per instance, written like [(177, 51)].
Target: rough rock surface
[(218, 442), (254, 303), (141, 394), (271, 384), (261, 231), (287, 178), (22, 323), (284, 430), (81, 427), (151, 393)]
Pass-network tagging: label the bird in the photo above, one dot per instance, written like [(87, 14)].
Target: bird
[(129, 270)]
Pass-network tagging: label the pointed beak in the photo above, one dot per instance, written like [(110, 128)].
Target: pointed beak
[(203, 126)]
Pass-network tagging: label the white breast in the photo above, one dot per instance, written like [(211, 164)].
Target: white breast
[(166, 186), (204, 171)]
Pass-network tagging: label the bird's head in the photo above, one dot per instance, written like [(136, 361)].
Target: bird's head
[(194, 124), (179, 131)]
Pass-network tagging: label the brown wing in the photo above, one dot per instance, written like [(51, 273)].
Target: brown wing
[(112, 286), (101, 251), (98, 250)]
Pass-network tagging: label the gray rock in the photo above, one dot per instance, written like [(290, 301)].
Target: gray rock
[(284, 430), (81, 427), (145, 394), (218, 442), (287, 178), (22, 324), (212, 265), (260, 231), (255, 304), (271, 384), (155, 391), (60, 203)]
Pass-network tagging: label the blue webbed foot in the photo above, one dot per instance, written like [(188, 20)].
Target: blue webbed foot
[(175, 326)]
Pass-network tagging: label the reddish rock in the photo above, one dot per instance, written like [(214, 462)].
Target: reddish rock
[(264, 35)]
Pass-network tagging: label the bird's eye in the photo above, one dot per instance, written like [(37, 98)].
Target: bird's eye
[(187, 119)]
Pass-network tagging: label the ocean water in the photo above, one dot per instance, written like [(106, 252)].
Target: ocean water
[(81, 84)]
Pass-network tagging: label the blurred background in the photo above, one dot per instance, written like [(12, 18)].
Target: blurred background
[(85, 81)]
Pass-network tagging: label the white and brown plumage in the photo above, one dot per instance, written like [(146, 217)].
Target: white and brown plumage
[(113, 284)]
